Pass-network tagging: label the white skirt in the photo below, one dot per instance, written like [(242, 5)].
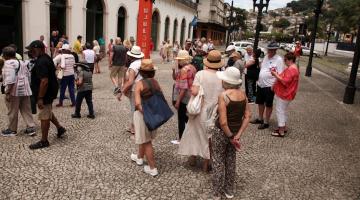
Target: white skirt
[(142, 133)]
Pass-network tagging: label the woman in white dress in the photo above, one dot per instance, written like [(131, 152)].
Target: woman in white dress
[(98, 56), (195, 140)]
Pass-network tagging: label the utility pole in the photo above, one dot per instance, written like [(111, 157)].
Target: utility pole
[(317, 12)]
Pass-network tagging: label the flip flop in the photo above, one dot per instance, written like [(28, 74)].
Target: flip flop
[(277, 130), (277, 134)]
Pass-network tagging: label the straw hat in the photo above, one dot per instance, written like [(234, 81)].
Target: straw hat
[(135, 52), (235, 54), (231, 75), (183, 55), (214, 60), (147, 65)]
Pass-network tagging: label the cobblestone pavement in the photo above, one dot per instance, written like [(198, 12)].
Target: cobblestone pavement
[(319, 159)]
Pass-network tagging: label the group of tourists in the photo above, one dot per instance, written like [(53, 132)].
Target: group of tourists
[(198, 47), (215, 138), (212, 110), (27, 83)]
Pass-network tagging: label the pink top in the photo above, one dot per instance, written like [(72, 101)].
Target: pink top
[(287, 87)]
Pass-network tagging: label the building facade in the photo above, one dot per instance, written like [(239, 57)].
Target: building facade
[(22, 21), (212, 21)]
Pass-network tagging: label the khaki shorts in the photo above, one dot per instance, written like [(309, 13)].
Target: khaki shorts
[(45, 113), (118, 71)]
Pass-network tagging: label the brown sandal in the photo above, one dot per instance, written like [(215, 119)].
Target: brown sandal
[(277, 134)]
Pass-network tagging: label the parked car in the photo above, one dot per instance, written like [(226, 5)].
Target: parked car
[(289, 47), (240, 47), (282, 45), (306, 51)]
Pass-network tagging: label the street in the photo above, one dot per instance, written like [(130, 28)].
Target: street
[(318, 159)]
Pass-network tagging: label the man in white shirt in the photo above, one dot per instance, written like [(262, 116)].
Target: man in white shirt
[(265, 94), (133, 76)]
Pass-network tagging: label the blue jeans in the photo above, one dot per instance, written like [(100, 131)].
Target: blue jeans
[(88, 98), (251, 89), (67, 82)]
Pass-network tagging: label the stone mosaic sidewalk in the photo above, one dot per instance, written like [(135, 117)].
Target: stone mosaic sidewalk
[(319, 159)]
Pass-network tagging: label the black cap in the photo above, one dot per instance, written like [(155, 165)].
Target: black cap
[(273, 45), (36, 44)]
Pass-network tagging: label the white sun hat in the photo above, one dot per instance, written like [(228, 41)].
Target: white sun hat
[(230, 48), (231, 75), (65, 47), (135, 52)]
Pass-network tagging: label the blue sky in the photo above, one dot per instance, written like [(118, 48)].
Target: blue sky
[(247, 4)]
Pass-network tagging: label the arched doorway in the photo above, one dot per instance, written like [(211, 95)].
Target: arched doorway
[(167, 26), (11, 24), (94, 20), (121, 23), (58, 16), (175, 30), (182, 32), (155, 28)]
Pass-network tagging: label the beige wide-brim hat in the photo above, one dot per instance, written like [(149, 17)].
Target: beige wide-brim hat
[(135, 52), (183, 55), (231, 75), (147, 65), (214, 60)]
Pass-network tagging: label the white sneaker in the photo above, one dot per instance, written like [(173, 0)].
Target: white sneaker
[(152, 172), (175, 142), (135, 158), (229, 196)]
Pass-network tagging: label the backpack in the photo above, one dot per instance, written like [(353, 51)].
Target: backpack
[(197, 61), (22, 84)]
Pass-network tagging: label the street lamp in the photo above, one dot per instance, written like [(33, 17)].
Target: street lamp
[(260, 4), (351, 87), (317, 12)]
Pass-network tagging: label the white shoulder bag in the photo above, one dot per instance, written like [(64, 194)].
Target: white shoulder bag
[(195, 102)]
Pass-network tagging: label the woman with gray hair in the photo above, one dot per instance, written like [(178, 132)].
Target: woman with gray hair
[(233, 118)]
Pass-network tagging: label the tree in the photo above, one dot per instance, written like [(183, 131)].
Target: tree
[(282, 23), (302, 5), (240, 19)]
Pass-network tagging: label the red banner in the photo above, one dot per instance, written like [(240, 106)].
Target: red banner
[(144, 26)]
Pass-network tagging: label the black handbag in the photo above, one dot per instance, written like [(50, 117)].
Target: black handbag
[(156, 110)]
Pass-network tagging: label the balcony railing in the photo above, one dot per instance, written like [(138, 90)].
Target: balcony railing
[(188, 3)]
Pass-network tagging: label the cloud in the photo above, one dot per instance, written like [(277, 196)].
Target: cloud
[(248, 4)]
